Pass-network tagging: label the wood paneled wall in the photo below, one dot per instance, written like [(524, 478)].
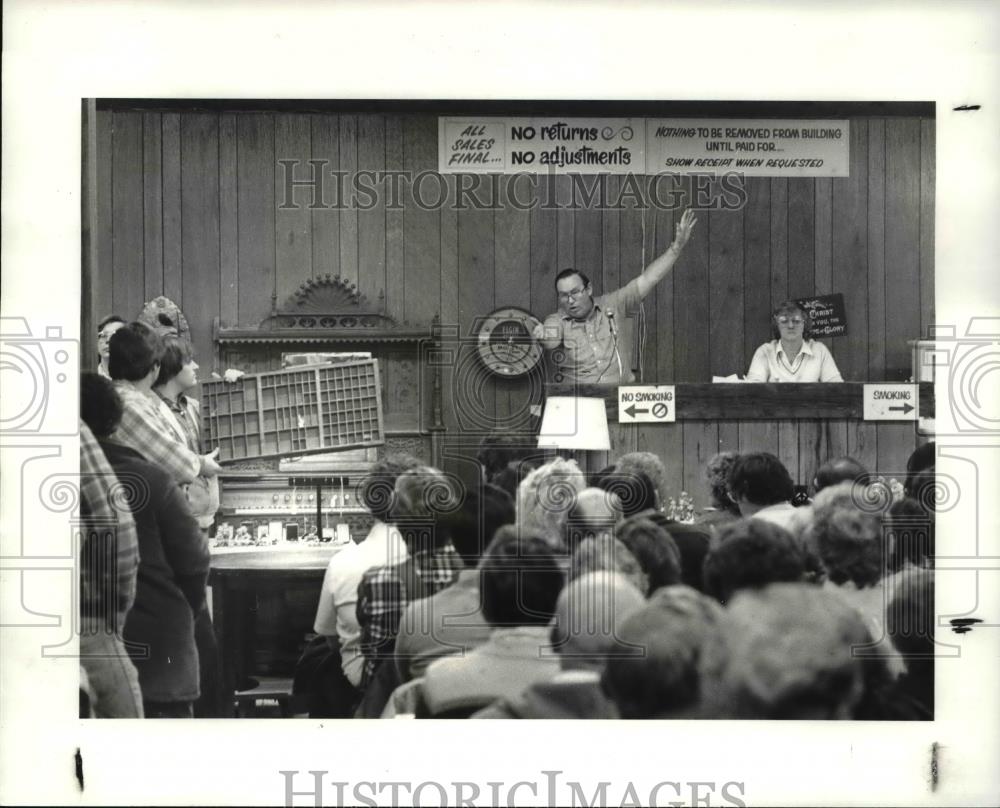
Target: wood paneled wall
[(188, 205)]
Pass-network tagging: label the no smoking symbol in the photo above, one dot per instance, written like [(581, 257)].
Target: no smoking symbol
[(659, 410)]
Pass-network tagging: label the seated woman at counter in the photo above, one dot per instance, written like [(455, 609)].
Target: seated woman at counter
[(793, 357)]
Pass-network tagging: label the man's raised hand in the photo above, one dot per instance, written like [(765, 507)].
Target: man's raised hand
[(682, 232)]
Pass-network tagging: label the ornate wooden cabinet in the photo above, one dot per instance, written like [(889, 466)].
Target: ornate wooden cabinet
[(266, 597), (328, 314)]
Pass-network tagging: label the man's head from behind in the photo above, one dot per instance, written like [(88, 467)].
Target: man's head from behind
[(633, 488), (575, 295), (377, 490), (134, 353), (590, 613), (520, 580), (846, 537), (424, 498), (662, 679), (501, 448), (473, 525), (785, 652), (759, 479), (717, 472), (509, 478), (654, 548), (649, 464), (752, 553), (838, 470), (606, 553), (100, 405), (594, 513)]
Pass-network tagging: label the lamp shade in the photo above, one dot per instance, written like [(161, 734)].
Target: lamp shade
[(571, 422)]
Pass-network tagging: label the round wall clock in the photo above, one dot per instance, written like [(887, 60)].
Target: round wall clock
[(505, 342)]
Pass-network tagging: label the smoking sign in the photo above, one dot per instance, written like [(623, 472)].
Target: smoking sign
[(647, 404)]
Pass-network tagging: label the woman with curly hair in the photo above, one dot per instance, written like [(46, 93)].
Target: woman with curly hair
[(545, 497), (721, 508)]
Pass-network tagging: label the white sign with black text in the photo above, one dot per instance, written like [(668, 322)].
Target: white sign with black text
[(646, 404), (582, 145), (754, 148), (891, 402)]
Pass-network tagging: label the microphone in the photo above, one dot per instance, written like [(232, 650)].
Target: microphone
[(614, 335)]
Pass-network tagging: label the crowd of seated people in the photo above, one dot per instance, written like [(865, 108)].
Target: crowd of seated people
[(536, 592), (576, 597)]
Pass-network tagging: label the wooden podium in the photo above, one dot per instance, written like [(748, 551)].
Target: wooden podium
[(803, 424)]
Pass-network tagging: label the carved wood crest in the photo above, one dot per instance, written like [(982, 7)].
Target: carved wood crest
[(326, 295), (327, 309), (330, 302)]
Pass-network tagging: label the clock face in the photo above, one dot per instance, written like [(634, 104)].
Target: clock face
[(505, 342)]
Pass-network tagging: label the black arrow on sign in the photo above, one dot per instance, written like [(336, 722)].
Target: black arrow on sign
[(904, 409), (631, 410)]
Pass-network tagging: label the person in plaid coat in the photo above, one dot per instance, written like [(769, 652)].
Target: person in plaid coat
[(422, 496)]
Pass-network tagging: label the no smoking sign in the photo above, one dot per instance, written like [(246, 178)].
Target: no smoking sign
[(646, 404)]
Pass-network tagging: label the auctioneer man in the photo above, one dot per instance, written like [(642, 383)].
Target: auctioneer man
[(582, 337)]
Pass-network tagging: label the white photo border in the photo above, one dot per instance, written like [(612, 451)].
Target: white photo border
[(58, 53)]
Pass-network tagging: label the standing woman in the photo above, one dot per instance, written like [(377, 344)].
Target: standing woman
[(793, 356), (178, 377)]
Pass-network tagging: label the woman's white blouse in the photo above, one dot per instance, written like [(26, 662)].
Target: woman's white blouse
[(814, 363)]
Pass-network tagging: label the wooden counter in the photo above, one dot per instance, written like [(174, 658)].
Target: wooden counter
[(246, 580), (802, 424), (754, 402)]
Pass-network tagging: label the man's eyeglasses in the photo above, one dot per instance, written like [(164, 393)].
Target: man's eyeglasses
[(571, 295), (790, 320)]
